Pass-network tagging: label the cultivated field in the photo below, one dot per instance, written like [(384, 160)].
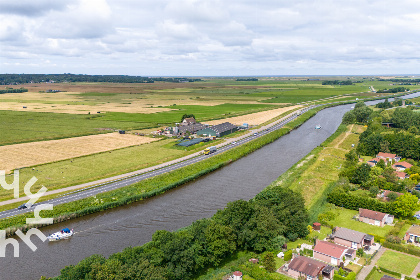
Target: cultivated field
[(255, 118), (35, 153)]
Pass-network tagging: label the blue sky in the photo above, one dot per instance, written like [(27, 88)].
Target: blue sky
[(210, 38)]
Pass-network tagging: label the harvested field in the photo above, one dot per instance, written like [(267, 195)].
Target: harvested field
[(35, 153), (255, 118)]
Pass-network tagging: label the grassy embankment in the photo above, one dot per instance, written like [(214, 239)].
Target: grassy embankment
[(152, 186)]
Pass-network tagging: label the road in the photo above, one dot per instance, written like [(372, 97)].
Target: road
[(119, 183)]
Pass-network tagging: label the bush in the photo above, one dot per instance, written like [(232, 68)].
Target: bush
[(401, 248), (288, 255)]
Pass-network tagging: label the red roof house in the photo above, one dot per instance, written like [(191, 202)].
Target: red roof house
[(401, 166), (331, 253), (388, 156), (374, 217)]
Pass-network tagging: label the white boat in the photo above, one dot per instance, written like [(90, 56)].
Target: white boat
[(318, 127), (63, 234)]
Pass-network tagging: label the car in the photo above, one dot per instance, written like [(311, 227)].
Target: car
[(24, 206), (234, 142), (255, 134)]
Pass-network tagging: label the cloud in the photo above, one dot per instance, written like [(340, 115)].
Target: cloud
[(32, 8), (210, 36)]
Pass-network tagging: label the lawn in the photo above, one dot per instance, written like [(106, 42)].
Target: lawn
[(398, 262), (344, 218), (378, 275)]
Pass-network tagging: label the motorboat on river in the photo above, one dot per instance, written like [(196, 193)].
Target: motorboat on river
[(318, 127), (63, 234)]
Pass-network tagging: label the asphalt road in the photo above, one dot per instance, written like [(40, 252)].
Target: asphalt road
[(109, 186)]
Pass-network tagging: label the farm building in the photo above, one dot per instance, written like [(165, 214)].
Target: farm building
[(374, 217), (191, 128), (218, 130), (188, 121)]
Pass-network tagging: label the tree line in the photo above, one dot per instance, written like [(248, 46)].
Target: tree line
[(13, 90), (16, 79), (337, 82), (263, 223)]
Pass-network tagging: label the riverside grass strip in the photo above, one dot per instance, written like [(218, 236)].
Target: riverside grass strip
[(150, 187)]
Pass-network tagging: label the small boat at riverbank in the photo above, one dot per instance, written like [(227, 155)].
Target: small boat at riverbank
[(63, 234), (318, 127)]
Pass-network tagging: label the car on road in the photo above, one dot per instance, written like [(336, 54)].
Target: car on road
[(234, 143), (255, 134), (24, 206)]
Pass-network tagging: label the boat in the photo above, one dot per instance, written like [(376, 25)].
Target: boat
[(318, 127), (65, 233)]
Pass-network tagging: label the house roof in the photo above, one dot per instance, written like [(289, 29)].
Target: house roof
[(189, 120), (191, 128), (329, 249), (219, 128), (400, 174), (306, 265), (374, 215), (237, 273), (386, 155), (414, 229), (388, 192), (375, 160), (350, 235), (403, 164)]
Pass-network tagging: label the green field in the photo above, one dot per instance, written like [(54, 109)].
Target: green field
[(20, 127), (398, 262)]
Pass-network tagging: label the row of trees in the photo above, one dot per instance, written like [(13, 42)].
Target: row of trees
[(13, 90), (393, 90), (16, 79), (265, 223), (336, 82)]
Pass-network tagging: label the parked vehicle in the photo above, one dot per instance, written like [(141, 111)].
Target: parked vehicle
[(210, 150)]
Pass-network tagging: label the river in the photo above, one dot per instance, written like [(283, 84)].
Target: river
[(133, 225)]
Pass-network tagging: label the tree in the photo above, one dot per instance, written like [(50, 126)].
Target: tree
[(374, 190), (406, 205), (288, 255), (392, 196), (269, 262), (220, 241), (361, 174), (381, 164), (349, 117)]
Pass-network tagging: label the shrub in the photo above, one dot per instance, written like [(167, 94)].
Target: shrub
[(288, 255)]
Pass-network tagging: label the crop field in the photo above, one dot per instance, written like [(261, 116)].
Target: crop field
[(255, 118), (36, 153)]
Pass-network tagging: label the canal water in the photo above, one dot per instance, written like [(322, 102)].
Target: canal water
[(133, 225)]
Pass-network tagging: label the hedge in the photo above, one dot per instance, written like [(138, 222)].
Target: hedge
[(402, 248), (350, 276), (390, 272), (354, 202), (371, 272)]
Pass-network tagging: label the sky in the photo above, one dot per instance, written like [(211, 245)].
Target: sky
[(210, 37)]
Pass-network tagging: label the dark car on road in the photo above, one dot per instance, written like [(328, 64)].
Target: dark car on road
[(24, 206)]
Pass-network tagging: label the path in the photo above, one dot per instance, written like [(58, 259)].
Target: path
[(366, 269), (344, 138)]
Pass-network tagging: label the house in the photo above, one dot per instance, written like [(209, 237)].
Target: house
[(401, 166), (374, 217), (309, 268), (188, 121), (373, 162), (218, 130), (401, 175), (351, 238), (332, 253), (385, 194), (388, 156), (413, 234)]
